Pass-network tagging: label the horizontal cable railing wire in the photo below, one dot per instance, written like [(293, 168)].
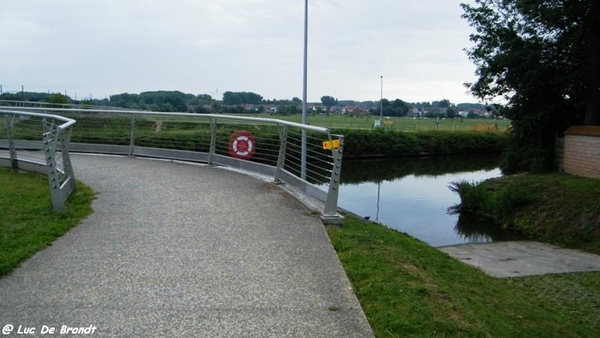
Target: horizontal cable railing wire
[(246, 142)]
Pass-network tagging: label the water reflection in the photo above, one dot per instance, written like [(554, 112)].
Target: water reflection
[(412, 196), (359, 171), (476, 229)]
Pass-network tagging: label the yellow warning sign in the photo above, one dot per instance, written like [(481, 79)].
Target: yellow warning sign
[(331, 144)]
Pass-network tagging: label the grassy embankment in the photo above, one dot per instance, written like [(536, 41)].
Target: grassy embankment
[(409, 289), (555, 208), (27, 222), (389, 144)]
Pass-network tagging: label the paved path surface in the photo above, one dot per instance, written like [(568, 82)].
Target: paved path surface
[(178, 250), (518, 259)]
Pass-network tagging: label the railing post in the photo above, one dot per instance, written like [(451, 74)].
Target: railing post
[(11, 142), (65, 140), (132, 139), (283, 131), (49, 145), (330, 213), (213, 140)]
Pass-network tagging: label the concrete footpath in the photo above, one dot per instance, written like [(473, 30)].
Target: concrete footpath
[(523, 258), (180, 250)]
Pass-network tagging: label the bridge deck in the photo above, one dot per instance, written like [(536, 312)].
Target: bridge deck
[(185, 250)]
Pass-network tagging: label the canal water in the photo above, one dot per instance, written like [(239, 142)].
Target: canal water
[(412, 195)]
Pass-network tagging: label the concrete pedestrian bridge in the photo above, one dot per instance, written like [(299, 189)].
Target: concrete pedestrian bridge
[(175, 249)]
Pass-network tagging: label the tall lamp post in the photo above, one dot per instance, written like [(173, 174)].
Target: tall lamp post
[(381, 104), (304, 95)]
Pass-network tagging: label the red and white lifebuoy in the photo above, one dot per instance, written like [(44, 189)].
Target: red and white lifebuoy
[(242, 145)]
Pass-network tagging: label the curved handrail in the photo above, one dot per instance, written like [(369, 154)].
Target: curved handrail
[(279, 153), (54, 142), (219, 116), (68, 122)]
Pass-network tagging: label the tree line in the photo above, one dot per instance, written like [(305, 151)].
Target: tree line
[(241, 102)]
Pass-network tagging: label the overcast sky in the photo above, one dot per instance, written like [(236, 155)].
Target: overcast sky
[(107, 47)]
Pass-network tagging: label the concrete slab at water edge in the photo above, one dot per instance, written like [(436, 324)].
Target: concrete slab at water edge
[(185, 250), (522, 258)]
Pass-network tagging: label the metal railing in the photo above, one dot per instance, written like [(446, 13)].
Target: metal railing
[(42, 104), (269, 147), (49, 135)]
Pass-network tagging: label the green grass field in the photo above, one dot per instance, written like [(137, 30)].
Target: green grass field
[(27, 222), (398, 123), (409, 289)]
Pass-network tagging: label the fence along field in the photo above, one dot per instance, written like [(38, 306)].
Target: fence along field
[(189, 134), (407, 124)]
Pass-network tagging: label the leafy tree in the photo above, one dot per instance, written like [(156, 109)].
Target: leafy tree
[(11, 97), (169, 101), (400, 108), (125, 100), (328, 101), (451, 112), (236, 98), (57, 98), (445, 103), (543, 58), (25, 96), (422, 104), (391, 108), (471, 115), (204, 98)]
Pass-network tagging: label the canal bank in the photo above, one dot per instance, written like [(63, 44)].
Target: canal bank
[(555, 208), (412, 195), (523, 258), (408, 288)]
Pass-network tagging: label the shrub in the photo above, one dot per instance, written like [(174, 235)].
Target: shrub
[(380, 143), (496, 202)]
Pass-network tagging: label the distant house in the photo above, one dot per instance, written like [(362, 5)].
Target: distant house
[(317, 107), (415, 112), (248, 106), (354, 110), (335, 110)]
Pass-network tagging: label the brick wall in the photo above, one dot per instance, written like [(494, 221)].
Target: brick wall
[(582, 151), (559, 146)]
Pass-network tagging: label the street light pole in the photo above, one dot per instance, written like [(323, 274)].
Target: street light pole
[(304, 95), (381, 103)]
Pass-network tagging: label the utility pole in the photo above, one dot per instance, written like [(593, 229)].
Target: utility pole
[(381, 104), (304, 94)]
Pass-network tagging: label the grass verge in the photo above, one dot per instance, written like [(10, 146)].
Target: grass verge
[(556, 208), (27, 222), (409, 289)]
